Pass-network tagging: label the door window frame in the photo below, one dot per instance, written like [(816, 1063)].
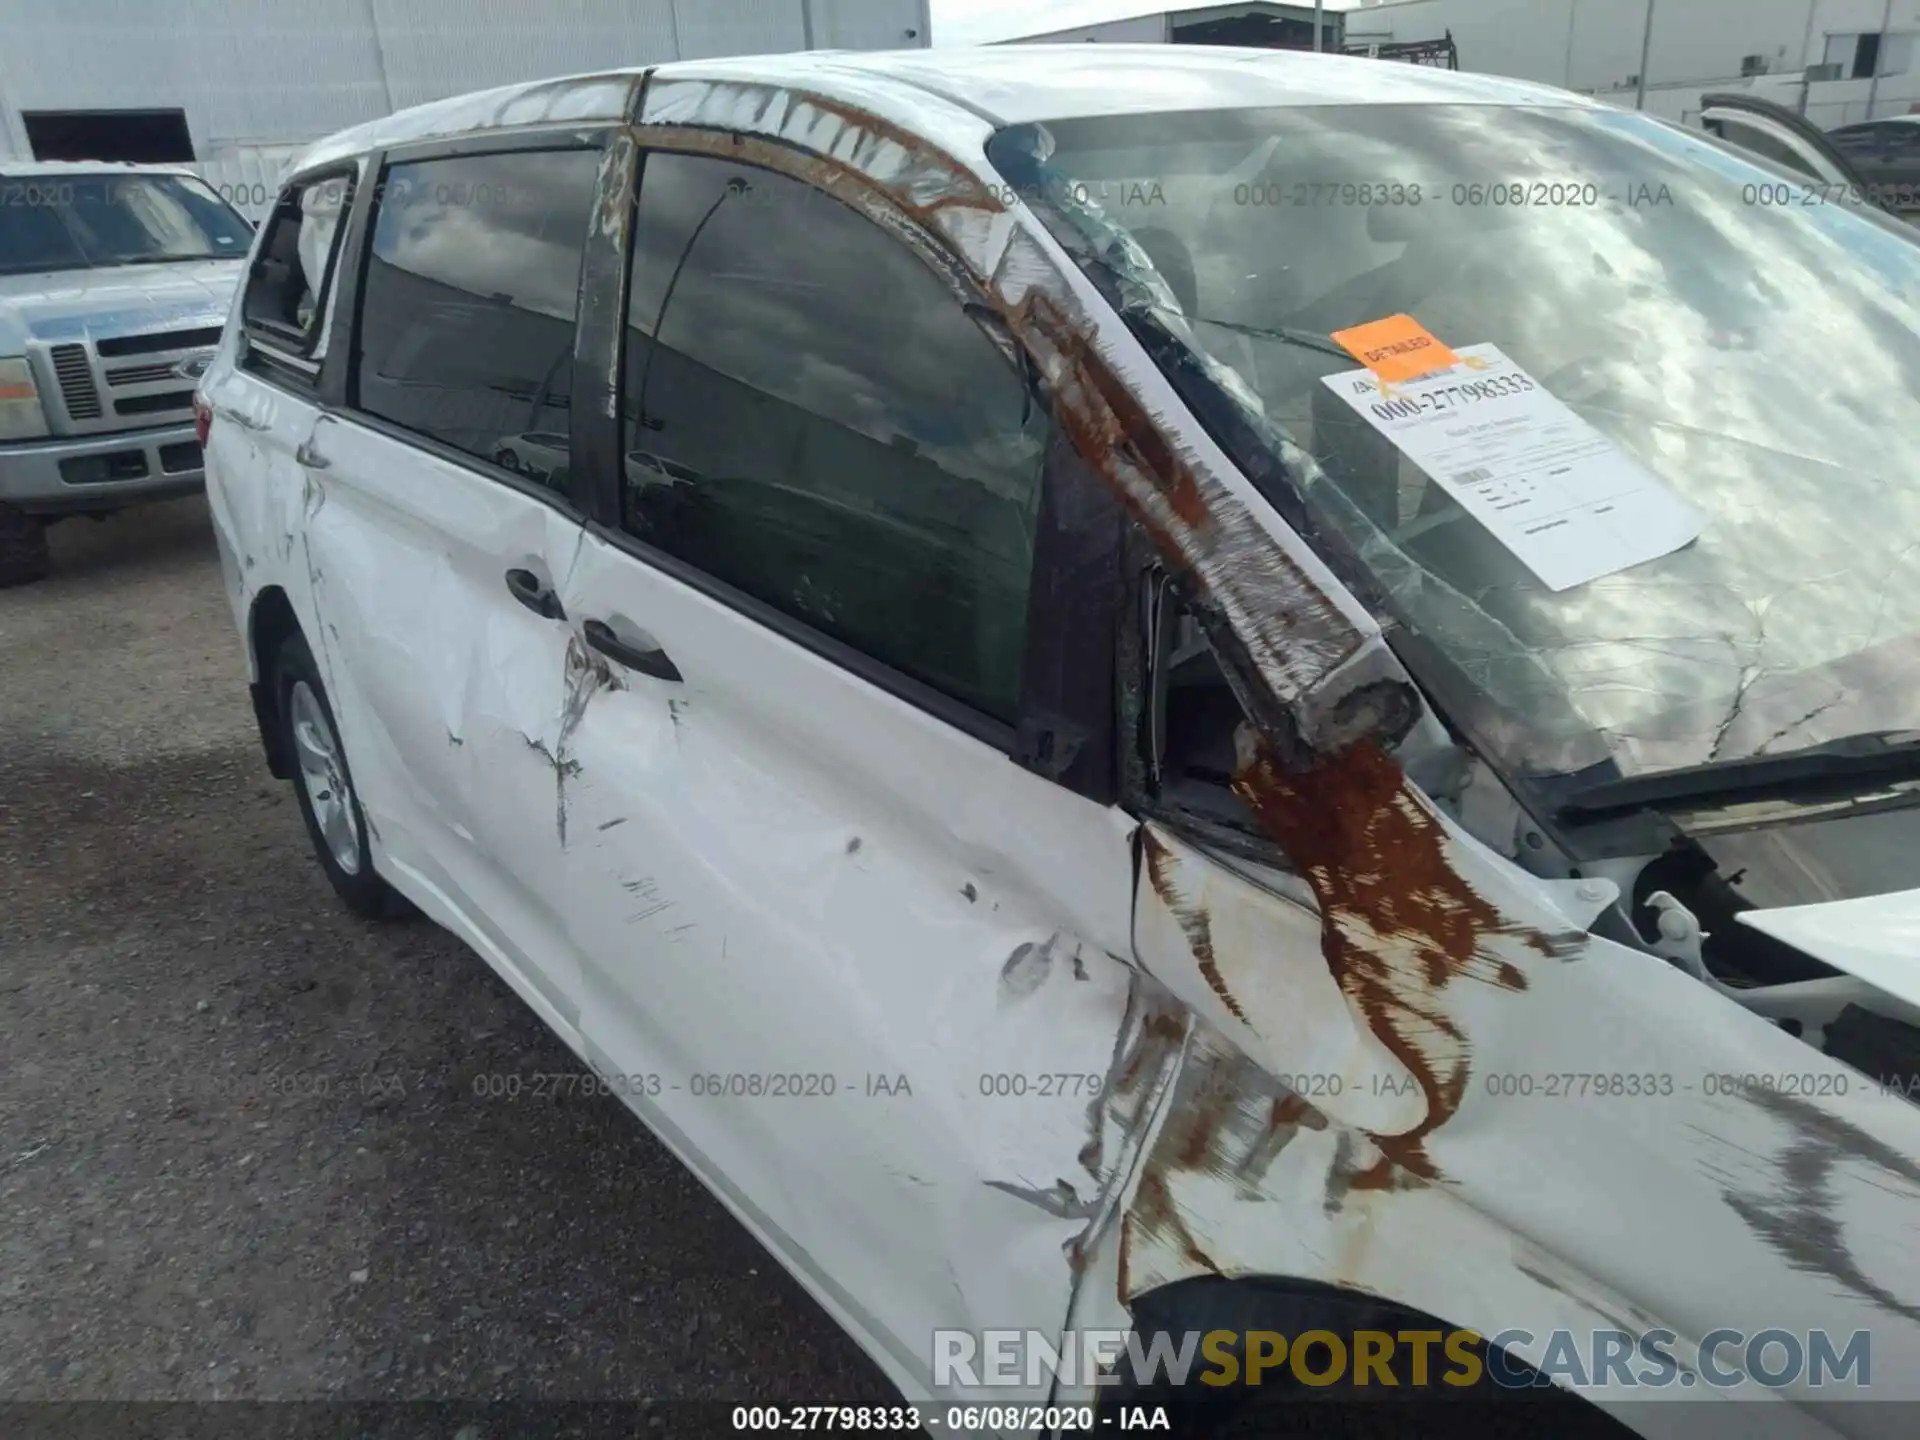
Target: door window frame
[(340, 377), (271, 357), (1066, 730)]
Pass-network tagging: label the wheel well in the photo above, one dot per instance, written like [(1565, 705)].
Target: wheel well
[(271, 622), (1291, 1308)]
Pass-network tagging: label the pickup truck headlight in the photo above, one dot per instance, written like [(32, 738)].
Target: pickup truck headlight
[(21, 417)]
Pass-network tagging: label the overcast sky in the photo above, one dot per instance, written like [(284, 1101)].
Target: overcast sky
[(975, 22)]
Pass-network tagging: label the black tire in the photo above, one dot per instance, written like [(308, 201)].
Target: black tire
[(1342, 1411), (360, 888), (23, 547)]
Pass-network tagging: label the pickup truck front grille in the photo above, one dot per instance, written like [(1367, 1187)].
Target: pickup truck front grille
[(159, 340), (152, 385), (154, 404), (74, 371), (140, 374)]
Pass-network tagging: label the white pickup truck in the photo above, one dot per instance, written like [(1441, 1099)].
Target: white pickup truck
[(114, 283)]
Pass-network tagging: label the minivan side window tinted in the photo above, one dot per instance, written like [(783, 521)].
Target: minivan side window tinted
[(811, 417), (292, 275), (468, 302)]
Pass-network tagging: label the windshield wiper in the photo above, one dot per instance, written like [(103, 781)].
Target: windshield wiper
[(1305, 339), (1854, 759)]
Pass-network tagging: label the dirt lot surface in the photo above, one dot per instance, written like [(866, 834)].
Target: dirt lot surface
[(241, 1153)]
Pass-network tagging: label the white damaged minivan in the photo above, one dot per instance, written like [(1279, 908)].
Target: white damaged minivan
[(114, 282), (1151, 702)]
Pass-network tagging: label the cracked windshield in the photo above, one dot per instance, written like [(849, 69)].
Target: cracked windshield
[(1721, 378)]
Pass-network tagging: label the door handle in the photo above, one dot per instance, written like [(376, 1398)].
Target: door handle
[(311, 458), (652, 662), (537, 596)]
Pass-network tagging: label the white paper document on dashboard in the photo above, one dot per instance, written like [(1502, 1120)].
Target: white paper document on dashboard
[(1556, 492)]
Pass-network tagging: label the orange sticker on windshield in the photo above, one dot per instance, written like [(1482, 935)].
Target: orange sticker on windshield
[(1396, 348)]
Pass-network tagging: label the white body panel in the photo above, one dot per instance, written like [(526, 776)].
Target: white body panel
[(448, 691), (781, 878), (1876, 938)]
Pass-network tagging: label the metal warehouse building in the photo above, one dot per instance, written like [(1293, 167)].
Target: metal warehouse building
[(1837, 61), (237, 85)]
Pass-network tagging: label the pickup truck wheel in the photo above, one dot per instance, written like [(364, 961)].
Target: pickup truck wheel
[(324, 786), (23, 547)]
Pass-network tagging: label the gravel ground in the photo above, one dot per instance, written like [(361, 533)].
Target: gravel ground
[(240, 1152)]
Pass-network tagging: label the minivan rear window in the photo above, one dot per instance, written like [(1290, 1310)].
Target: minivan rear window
[(468, 304)]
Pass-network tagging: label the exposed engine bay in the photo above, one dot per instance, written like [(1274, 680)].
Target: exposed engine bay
[(1807, 920), (1802, 912)]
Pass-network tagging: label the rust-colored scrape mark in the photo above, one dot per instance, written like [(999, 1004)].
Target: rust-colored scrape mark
[(1398, 922), (1158, 1033), (1230, 1119), (1157, 1218), (1201, 1121), (1192, 918), (968, 192), (1104, 418), (1293, 1109), (1151, 1031)]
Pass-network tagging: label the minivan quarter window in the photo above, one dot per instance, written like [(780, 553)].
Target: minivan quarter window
[(468, 301), (290, 281), (812, 417)]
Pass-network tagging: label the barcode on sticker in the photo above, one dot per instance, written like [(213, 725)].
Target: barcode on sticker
[(1473, 477)]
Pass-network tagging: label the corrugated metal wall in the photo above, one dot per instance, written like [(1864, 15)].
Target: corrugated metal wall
[(253, 74), (242, 69), (435, 48)]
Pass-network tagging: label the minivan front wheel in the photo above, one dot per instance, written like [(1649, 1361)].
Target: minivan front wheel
[(323, 784), (23, 547)]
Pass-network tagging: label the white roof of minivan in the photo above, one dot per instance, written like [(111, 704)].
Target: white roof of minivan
[(1003, 84)]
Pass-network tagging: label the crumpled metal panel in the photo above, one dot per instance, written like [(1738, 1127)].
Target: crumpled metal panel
[(1408, 1089)]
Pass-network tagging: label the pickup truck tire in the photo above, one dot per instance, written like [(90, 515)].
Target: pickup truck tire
[(23, 547)]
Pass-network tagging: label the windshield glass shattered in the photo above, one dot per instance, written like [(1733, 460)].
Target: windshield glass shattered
[(68, 221), (1758, 354)]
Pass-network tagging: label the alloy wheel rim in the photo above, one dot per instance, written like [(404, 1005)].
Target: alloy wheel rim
[(324, 774)]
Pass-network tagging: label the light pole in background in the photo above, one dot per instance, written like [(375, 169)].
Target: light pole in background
[(1319, 11), (1646, 49), (1873, 85)]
